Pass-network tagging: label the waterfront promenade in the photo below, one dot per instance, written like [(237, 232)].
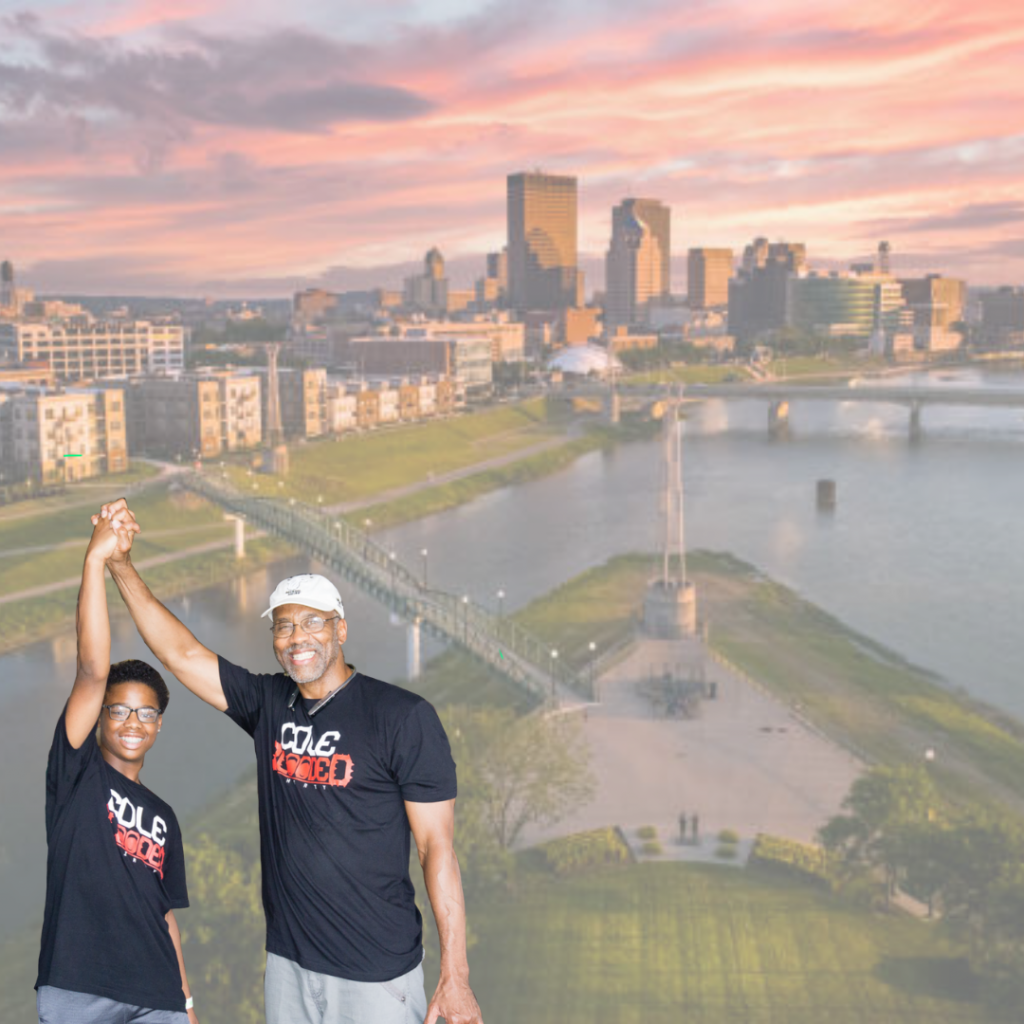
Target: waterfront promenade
[(746, 763)]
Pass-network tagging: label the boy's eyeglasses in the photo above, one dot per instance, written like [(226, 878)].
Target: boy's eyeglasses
[(121, 713)]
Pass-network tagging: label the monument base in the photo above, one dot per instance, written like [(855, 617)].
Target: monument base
[(670, 610), (275, 460)]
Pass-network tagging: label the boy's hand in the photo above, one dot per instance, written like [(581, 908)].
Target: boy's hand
[(114, 529)]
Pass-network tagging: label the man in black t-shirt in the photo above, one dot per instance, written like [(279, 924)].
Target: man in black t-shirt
[(347, 765), (115, 869)]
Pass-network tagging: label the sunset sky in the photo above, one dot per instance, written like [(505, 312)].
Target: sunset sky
[(228, 148)]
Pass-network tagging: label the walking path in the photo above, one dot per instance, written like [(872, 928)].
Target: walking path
[(747, 763), (148, 563)]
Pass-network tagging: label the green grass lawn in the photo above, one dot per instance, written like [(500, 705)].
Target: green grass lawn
[(354, 467), (96, 488), (170, 523), (815, 366), (675, 943), (431, 500), (699, 373)]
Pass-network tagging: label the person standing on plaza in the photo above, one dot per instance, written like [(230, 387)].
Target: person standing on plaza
[(115, 867), (347, 766)]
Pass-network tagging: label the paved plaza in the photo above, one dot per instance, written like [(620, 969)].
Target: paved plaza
[(745, 762)]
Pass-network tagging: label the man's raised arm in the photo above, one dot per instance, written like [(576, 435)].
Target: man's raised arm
[(165, 635)]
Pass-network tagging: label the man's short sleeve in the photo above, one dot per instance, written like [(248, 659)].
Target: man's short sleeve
[(422, 760), (174, 870), (245, 693), (65, 764)]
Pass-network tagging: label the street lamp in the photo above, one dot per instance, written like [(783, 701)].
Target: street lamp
[(320, 503), (551, 665), (423, 555), (391, 558), (465, 618), (592, 647), (501, 603)]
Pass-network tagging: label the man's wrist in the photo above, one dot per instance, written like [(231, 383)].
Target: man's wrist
[(118, 565)]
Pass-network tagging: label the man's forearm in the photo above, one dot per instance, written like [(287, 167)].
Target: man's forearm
[(444, 888), (165, 635)]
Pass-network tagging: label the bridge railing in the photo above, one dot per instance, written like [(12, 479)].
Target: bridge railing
[(498, 640)]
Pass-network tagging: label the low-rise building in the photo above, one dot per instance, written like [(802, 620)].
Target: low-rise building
[(302, 395), (467, 360), (53, 435), (84, 348), (200, 414)]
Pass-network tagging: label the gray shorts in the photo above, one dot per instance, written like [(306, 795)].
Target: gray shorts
[(61, 1006), (297, 996)]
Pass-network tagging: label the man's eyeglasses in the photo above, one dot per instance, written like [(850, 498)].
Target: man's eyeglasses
[(121, 713), (311, 624)]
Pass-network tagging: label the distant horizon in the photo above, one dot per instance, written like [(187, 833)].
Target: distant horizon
[(156, 152), (462, 272)]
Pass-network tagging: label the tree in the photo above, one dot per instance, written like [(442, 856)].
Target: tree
[(516, 770), (222, 934), (885, 807)]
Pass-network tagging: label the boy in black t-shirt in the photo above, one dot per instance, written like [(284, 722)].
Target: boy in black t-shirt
[(115, 868)]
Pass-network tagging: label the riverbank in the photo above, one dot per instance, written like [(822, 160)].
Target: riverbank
[(429, 499), (356, 468)]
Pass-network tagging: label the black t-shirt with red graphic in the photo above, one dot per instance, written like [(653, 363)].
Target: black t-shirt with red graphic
[(114, 867), (334, 834)]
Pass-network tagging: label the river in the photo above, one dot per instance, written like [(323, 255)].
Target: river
[(924, 552)]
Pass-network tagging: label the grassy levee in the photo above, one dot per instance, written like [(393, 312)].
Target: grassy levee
[(351, 468), (431, 500), (85, 491), (171, 523), (698, 373), (38, 618), (856, 690)]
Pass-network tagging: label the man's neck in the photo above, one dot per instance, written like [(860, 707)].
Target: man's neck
[(330, 681)]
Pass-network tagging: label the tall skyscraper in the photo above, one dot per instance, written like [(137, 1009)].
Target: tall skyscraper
[(638, 265), (708, 273), (542, 272)]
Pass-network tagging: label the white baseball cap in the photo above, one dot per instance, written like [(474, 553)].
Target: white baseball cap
[(308, 589)]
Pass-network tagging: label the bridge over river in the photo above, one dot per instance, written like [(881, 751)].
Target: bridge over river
[(352, 554), (780, 395)]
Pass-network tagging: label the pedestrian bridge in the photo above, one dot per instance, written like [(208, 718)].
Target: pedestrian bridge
[(352, 554)]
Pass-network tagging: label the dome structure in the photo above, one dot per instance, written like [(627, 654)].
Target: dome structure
[(583, 360)]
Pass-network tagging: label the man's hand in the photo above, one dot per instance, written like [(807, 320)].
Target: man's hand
[(455, 1002), (114, 518), (192, 1018)]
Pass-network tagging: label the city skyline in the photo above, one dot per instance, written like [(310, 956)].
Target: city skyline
[(191, 156)]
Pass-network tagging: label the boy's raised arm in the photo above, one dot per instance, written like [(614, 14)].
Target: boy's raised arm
[(109, 535)]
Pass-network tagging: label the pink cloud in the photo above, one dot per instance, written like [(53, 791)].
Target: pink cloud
[(824, 122)]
